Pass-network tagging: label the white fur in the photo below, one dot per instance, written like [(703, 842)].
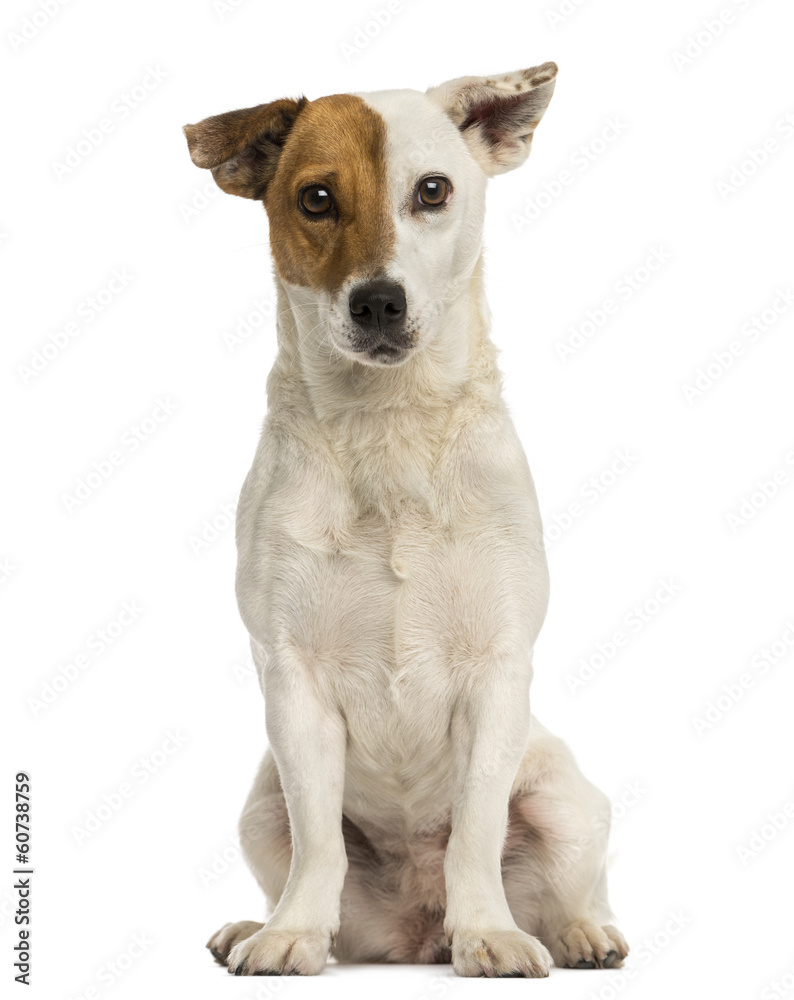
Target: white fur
[(393, 580)]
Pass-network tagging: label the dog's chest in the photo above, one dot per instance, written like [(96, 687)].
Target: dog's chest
[(403, 536), (429, 605)]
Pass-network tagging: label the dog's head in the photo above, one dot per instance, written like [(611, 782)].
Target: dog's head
[(376, 201)]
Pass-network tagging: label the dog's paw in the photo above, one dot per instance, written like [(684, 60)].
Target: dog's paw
[(270, 952), (585, 945), (222, 941), (502, 954)]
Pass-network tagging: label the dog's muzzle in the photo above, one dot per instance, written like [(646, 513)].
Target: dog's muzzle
[(378, 309)]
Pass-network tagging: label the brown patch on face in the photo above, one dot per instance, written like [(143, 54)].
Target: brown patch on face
[(340, 143)]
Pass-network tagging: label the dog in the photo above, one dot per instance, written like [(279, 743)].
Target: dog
[(391, 569)]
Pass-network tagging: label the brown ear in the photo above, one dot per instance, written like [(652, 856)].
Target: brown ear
[(498, 115), (242, 148)]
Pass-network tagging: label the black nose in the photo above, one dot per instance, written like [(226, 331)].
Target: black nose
[(379, 305)]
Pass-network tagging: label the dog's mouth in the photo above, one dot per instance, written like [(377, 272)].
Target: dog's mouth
[(386, 354)]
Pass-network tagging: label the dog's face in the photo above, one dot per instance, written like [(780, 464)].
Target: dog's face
[(376, 201)]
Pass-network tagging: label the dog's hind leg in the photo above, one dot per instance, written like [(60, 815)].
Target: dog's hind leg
[(554, 861)]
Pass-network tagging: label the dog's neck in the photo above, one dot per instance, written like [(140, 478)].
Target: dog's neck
[(385, 425)]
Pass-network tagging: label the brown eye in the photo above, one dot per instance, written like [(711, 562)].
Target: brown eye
[(433, 191), (316, 200)]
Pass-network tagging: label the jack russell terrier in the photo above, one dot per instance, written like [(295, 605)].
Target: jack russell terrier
[(391, 569)]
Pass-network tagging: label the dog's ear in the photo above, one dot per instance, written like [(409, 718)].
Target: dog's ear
[(497, 115), (242, 148)]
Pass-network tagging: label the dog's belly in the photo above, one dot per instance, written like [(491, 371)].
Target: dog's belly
[(399, 757)]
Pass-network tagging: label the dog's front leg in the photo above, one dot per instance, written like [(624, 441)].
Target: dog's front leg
[(490, 730), (308, 741)]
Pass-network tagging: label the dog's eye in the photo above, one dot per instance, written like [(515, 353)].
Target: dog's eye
[(433, 192), (316, 200)]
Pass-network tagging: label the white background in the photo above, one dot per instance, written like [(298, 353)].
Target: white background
[(692, 835)]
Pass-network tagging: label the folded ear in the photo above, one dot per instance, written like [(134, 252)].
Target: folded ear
[(242, 148), (497, 115)]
